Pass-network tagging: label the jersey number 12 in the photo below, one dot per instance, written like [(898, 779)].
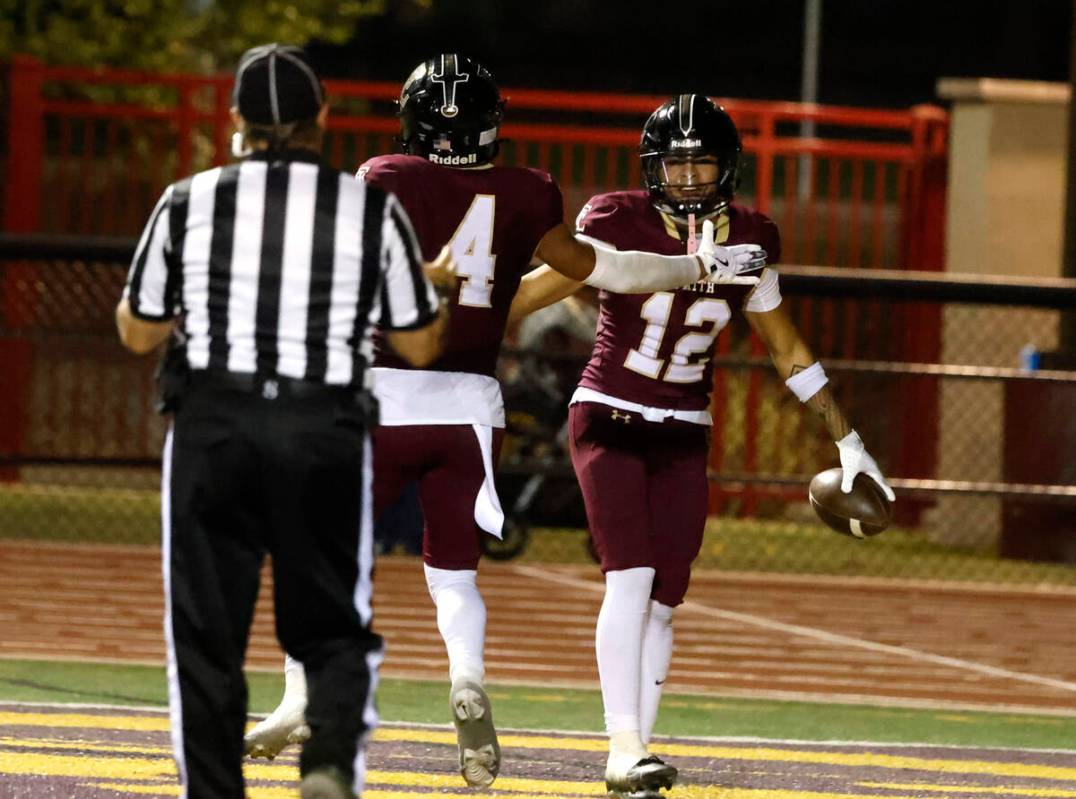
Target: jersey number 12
[(707, 313)]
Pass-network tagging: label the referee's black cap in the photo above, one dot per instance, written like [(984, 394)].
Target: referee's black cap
[(276, 85)]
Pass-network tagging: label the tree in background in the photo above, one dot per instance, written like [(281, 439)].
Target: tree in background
[(171, 35)]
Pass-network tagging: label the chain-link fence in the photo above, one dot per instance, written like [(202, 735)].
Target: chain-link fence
[(979, 449)]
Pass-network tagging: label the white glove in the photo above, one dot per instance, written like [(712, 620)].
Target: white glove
[(856, 459), (728, 264)]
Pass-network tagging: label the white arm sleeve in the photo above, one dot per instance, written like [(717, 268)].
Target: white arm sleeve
[(766, 295), (633, 272)]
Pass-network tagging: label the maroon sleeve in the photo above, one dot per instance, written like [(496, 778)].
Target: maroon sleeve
[(599, 219), (550, 211), (380, 172)]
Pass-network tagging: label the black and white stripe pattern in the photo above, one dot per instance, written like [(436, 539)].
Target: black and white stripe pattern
[(280, 268), (175, 702)]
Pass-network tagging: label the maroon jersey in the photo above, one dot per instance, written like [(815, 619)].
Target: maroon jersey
[(494, 219), (655, 349)]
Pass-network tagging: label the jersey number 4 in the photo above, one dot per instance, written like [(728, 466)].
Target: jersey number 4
[(472, 247), (680, 367)]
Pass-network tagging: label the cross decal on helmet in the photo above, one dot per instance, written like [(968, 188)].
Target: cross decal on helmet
[(448, 81)]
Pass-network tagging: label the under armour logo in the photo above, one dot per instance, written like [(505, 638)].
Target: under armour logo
[(448, 81), (270, 389), (625, 417)]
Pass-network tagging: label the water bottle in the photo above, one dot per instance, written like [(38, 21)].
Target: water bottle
[(1029, 358)]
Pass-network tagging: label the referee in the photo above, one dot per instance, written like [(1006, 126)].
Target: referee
[(272, 270)]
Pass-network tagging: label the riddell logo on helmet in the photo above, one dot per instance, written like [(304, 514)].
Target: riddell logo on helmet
[(454, 160), (687, 142)]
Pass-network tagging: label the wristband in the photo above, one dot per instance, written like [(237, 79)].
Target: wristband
[(807, 383)]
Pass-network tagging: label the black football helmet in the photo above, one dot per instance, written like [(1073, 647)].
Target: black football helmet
[(450, 111), (690, 126)]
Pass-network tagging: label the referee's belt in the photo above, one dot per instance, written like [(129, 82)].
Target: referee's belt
[(270, 386)]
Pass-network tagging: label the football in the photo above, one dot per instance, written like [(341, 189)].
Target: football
[(863, 513)]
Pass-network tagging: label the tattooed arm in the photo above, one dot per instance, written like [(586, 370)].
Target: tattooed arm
[(806, 379), (791, 356), (826, 407)]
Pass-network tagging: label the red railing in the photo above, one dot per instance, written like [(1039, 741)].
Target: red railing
[(90, 150)]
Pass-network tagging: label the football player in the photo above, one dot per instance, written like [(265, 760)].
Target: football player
[(443, 425), (639, 424)]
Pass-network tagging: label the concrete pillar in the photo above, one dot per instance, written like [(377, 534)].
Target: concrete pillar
[(1007, 168)]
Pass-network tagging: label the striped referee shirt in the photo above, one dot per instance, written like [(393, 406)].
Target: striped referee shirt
[(280, 265)]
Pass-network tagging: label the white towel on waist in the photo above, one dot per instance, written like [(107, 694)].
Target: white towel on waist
[(487, 505)]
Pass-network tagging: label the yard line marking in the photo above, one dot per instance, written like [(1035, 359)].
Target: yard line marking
[(723, 740), (162, 767), (820, 635), (947, 790)]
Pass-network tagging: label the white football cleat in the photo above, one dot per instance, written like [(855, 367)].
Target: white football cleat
[(628, 776), (480, 754), (285, 725)]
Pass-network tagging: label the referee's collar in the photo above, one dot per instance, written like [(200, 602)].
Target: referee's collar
[(290, 154)]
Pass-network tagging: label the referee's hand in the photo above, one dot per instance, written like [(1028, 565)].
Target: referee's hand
[(441, 271)]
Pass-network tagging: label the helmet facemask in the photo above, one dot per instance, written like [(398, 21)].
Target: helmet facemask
[(688, 183), (690, 153)]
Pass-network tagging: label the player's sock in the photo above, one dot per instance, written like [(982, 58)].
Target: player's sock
[(631, 771), (461, 619), (618, 641), (657, 654), (286, 724), (627, 745), (294, 681)]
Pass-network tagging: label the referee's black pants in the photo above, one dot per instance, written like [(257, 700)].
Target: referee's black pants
[(245, 475)]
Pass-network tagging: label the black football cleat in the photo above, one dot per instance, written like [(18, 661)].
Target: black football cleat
[(643, 779)]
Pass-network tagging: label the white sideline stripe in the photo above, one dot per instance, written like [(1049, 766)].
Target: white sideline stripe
[(591, 734), (822, 635), (1033, 590), (750, 694), (175, 695), (154, 710)]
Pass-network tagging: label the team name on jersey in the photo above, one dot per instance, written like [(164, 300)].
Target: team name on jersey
[(683, 143), (454, 160), (701, 287)]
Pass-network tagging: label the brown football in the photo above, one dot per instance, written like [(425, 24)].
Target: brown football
[(861, 514)]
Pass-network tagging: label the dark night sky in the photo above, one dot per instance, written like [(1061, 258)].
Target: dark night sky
[(874, 52)]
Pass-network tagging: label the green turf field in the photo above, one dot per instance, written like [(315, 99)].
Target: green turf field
[(577, 710)]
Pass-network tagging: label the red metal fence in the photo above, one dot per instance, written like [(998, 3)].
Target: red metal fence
[(89, 150)]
